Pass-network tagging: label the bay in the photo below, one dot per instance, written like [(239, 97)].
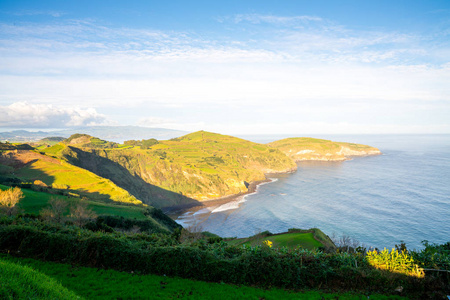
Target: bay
[(401, 195)]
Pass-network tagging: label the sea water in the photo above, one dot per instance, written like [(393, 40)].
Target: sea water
[(401, 195)]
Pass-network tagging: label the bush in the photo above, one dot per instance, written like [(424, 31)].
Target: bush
[(395, 261), (9, 199)]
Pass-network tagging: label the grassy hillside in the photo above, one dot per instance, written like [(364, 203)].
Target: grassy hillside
[(309, 239), (48, 176), (300, 149), (53, 172), (198, 166), (23, 282)]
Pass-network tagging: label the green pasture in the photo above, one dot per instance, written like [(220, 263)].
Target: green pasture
[(54, 149), (23, 282), (93, 283), (290, 240), (34, 202)]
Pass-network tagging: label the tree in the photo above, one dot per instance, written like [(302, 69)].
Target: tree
[(81, 213), (56, 210), (9, 199)]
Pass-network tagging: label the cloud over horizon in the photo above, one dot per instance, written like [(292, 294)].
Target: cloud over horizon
[(24, 114)]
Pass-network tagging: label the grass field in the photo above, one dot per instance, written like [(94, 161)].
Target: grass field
[(109, 284), (308, 239), (23, 282), (35, 201)]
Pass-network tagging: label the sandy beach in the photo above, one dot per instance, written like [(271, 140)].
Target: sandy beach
[(175, 211)]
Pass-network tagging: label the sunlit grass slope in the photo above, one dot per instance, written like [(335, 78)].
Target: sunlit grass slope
[(109, 284), (58, 174), (201, 165), (23, 282), (309, 239), (317, 149)]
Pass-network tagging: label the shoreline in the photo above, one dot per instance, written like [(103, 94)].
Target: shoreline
[(175, 211)]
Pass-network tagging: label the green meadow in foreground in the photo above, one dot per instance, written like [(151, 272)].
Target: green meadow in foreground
[(23, 282), (94, 283)]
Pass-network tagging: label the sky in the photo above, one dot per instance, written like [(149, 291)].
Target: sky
[(233, 67)]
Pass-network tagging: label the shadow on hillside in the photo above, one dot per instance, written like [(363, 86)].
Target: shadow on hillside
[(135, 185)]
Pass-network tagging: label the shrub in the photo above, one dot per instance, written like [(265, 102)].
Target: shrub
[(56, 210), (396, 261), (9, 199), (81, 213)]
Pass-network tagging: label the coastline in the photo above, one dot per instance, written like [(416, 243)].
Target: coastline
[(175, 211)]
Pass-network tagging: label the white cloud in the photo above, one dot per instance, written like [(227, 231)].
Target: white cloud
[(24, 114), (272, 19)]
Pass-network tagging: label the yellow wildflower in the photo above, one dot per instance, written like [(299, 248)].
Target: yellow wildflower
[(268, 243)]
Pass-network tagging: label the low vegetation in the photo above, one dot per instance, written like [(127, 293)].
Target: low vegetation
[(395, 261)]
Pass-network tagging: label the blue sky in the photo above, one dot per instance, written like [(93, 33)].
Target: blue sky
[(235, 67)]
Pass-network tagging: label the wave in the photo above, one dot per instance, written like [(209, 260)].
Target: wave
[(229, 205)]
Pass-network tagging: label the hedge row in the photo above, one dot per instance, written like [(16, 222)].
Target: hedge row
[(250, 266)]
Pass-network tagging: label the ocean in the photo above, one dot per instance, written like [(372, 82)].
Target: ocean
[(402, 195)]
